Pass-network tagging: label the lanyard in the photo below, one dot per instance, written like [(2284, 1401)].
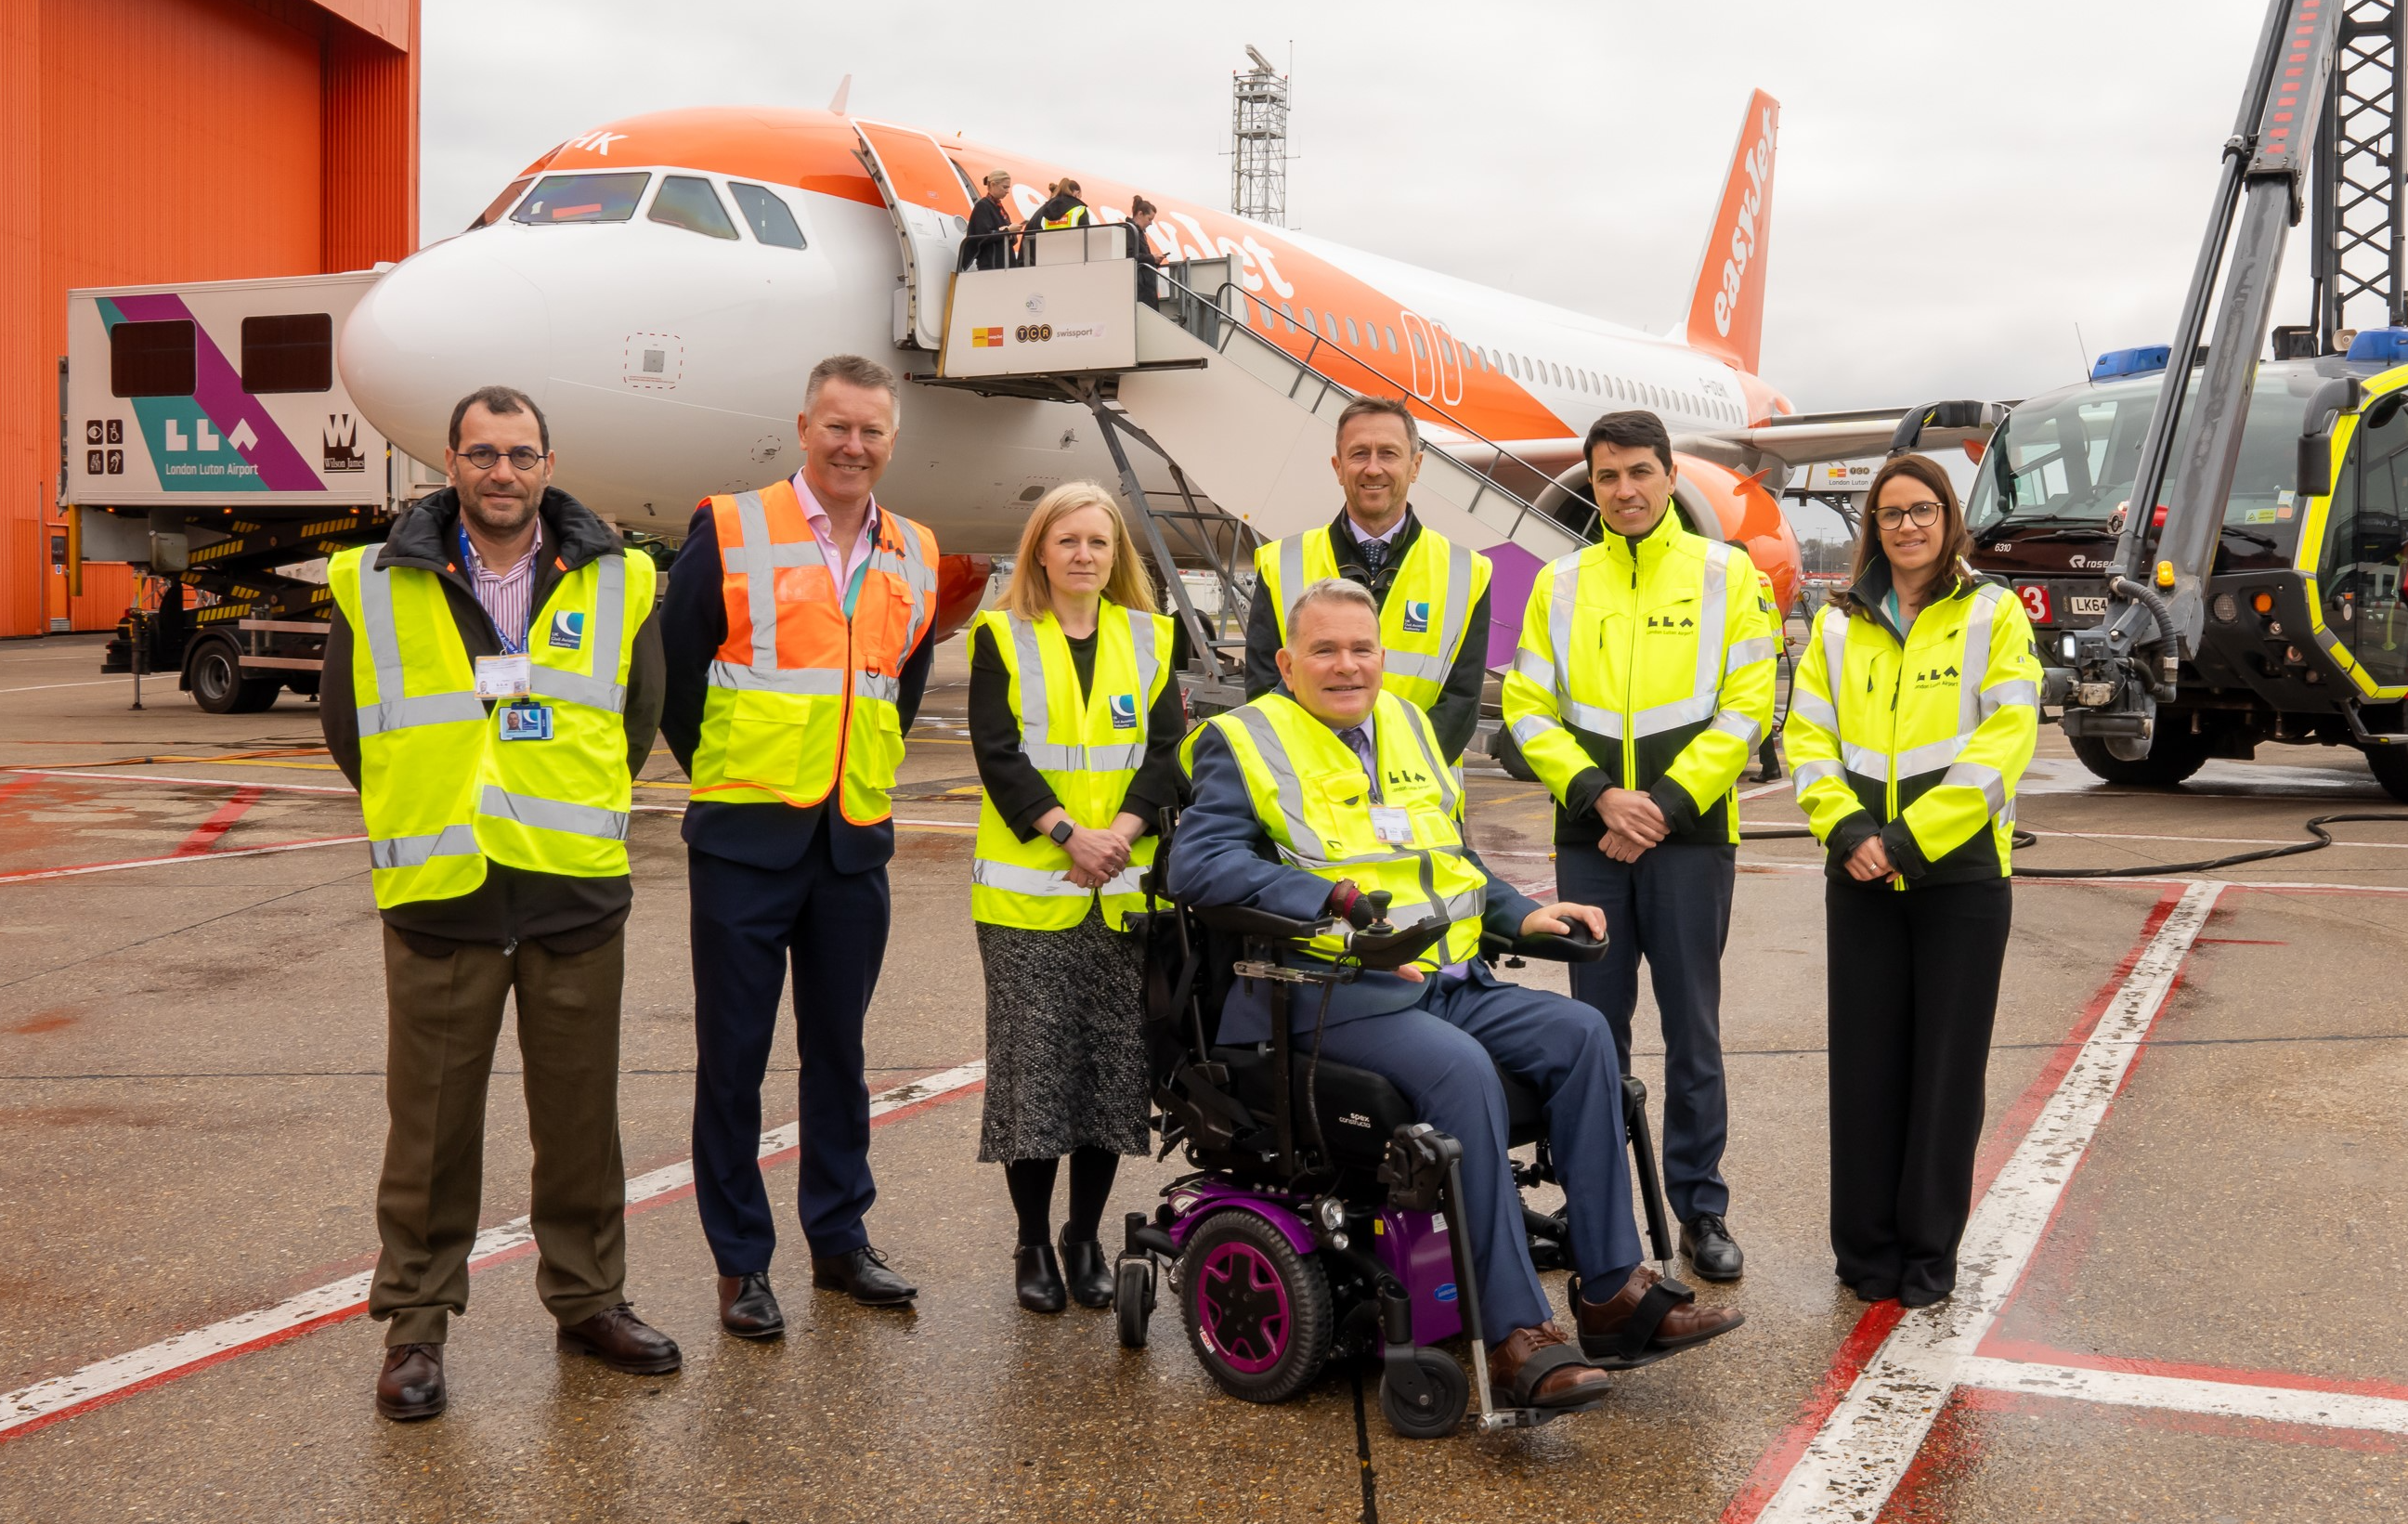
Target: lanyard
[(468, 559)]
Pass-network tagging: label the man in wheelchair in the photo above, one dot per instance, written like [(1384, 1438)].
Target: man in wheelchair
[(1309, 801)]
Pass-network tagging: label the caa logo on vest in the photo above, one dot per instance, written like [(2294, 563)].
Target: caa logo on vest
[(569, 628), (1123, 708), (1417, 617)]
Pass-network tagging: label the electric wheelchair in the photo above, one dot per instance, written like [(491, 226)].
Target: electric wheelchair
[(1314, 1225)]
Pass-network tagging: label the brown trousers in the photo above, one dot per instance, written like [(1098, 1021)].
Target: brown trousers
[(444, 1017)]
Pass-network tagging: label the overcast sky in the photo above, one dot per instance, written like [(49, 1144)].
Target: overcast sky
[(1959, 187)]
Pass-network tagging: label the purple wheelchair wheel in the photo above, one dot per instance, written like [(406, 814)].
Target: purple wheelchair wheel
[(1259, 1314)]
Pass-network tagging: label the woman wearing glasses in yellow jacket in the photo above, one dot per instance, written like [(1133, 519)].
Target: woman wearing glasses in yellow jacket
[(1913, 715)]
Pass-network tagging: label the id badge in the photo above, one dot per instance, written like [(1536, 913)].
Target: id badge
[(527, 722), (505, 677), (1392, 826)]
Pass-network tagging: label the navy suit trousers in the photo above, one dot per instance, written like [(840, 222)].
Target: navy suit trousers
[(1672, 907), (1444, 1056), (748, 922)]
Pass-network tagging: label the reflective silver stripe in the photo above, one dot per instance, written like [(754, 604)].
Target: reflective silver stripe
[(760, 592), (808, 682), (919, 576), (1730, 722), (1149, 662), (1458, 605), (577, 688), (427, 708), (1028, 655), (1047, 757), (1814, 710), (603, 646), (1592, 718), (384, 634), (1439, 771), (2016, 690), (1469, 905), (413, 851), (1975, 662), (1833, 630), (552, 814), (1291, 576), (1748, 652), (1289, 788), (1931, 757), (1530, 727), (1413, 664), (1538, 669), (1561, 599), (1865, 761), (748, 557), (877, 686), (1990, 780), (1713, 619), (1814, 770), (1013, 879), (1696, 710)]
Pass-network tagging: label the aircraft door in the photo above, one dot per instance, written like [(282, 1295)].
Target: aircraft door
[(2360, 564), (931, 209), (1423, 352), (1450, 364)]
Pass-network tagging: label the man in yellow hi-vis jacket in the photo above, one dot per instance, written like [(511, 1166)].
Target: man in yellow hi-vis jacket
[(1644, 681)]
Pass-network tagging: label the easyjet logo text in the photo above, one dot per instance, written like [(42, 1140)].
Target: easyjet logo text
[(1743, 239)]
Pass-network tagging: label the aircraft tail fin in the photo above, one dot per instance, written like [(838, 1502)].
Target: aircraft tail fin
[(1726, 309)]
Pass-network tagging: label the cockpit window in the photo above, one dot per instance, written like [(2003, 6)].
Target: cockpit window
[(772, 222), (687, 201), (582, 199), (501, 204)]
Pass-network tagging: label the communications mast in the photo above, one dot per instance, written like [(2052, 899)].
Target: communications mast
[(1258, 147)]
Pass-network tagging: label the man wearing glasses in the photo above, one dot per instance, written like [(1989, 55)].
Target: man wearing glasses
[(1644, 681), (493, 680)]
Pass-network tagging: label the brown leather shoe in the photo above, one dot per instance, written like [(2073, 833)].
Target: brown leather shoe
[(624, 1342), (1539, 1367), (410, 1386), (1649, 1318)]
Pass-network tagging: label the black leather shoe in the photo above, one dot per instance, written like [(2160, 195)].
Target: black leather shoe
[(1038, 1278), (410, 1386), (1088, 1272), (624, 1342), (862, 1275), (748, 1309), (1713, 1254)]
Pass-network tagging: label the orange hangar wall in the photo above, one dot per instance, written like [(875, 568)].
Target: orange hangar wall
[(172, 140)]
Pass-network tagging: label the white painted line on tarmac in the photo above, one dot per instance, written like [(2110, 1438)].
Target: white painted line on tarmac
[(61, 1397), (30, 874), (1855, 1461), (95, 682), (2220, 1399), (1782, 787)]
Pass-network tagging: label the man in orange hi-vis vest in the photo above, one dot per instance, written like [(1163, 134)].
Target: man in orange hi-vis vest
[(796, 636)]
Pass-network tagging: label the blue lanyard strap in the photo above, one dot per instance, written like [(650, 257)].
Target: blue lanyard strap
[(468, 559)]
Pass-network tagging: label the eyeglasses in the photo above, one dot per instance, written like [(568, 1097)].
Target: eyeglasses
[(1924, 514), (526, 457)]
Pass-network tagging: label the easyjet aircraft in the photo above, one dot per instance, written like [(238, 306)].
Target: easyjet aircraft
[(661, 285)]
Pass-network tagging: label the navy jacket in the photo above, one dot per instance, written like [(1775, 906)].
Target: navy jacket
[(773, 837), (1221, 854)]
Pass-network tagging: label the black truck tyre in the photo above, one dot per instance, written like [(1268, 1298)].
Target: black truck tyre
[(2389, 765), (2173, 756), (213, 673)]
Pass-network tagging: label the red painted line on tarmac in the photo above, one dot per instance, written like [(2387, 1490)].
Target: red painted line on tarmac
[(205, 834), (1862, 1342), (2032, 1351), (18, 786), (27, 875)]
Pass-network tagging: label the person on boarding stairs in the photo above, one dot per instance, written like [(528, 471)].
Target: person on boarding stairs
[(1075, 719), (1644, 681), (1309, 799), (1062, 208), (988, 244), (1915, 710), (493, 679)]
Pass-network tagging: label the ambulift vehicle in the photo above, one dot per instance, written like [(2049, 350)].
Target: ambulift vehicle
[(1316, 1226), (2240, 519)]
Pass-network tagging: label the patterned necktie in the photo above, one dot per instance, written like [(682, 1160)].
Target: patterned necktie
[(1360, 744), (1374, 552)]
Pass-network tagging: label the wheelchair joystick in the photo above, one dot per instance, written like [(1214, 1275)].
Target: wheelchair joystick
[(1379, 901)]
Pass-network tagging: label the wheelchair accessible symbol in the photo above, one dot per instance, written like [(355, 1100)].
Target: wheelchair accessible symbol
[(1417, 617), (1124, 707)]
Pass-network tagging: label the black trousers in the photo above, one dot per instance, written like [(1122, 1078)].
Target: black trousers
[(1914, 989)]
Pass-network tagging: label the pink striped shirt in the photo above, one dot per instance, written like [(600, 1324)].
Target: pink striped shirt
[(507, 596)]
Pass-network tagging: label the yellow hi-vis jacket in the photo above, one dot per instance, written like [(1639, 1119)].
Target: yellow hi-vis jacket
[(1087, 750), (1074, 215), (804, 696), (441, 788), (1311, 794), (1648, 668), (1920, 741), (1424, 616)]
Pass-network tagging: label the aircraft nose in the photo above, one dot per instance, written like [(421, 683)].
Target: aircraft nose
[(438, 327)]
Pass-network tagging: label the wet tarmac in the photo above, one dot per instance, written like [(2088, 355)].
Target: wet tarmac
[(2198, 1133)]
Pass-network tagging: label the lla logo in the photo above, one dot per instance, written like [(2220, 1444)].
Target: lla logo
[(1666, 622), (1417, 617), (1938, 674), (568, 629), (1123, 708)]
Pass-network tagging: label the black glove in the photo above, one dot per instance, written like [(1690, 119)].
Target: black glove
[(1350, 904)]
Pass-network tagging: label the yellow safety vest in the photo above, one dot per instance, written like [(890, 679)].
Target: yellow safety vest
[(1075, 217), (1934, 733), (1427, 612), (1648, 665), (440, 789), (1088, 752), (1310, 792), (803, 694)]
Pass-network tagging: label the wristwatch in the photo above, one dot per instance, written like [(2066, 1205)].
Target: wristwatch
[(1061, 833)]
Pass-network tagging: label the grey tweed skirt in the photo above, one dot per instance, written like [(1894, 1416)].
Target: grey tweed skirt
[(1064, 1041)]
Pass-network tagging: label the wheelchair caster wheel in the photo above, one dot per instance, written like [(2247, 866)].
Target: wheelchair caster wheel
[(1433, 1412), (1133, 1299)]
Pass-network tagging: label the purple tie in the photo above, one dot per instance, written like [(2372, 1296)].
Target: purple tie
[(1361, 745)]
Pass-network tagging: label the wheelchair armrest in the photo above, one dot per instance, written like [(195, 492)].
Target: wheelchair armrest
[(1394, 949), (1550, 947), (1246, 921), (1372, 950)]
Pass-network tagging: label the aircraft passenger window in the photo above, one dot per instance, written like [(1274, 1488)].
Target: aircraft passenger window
[(1329, 325), (152, 359), (1350, 334), (1392, 341), (581, 198), (1419, 352), (687, 201), (291, 351), (500, 204), (772, 222), (1306, 313)]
